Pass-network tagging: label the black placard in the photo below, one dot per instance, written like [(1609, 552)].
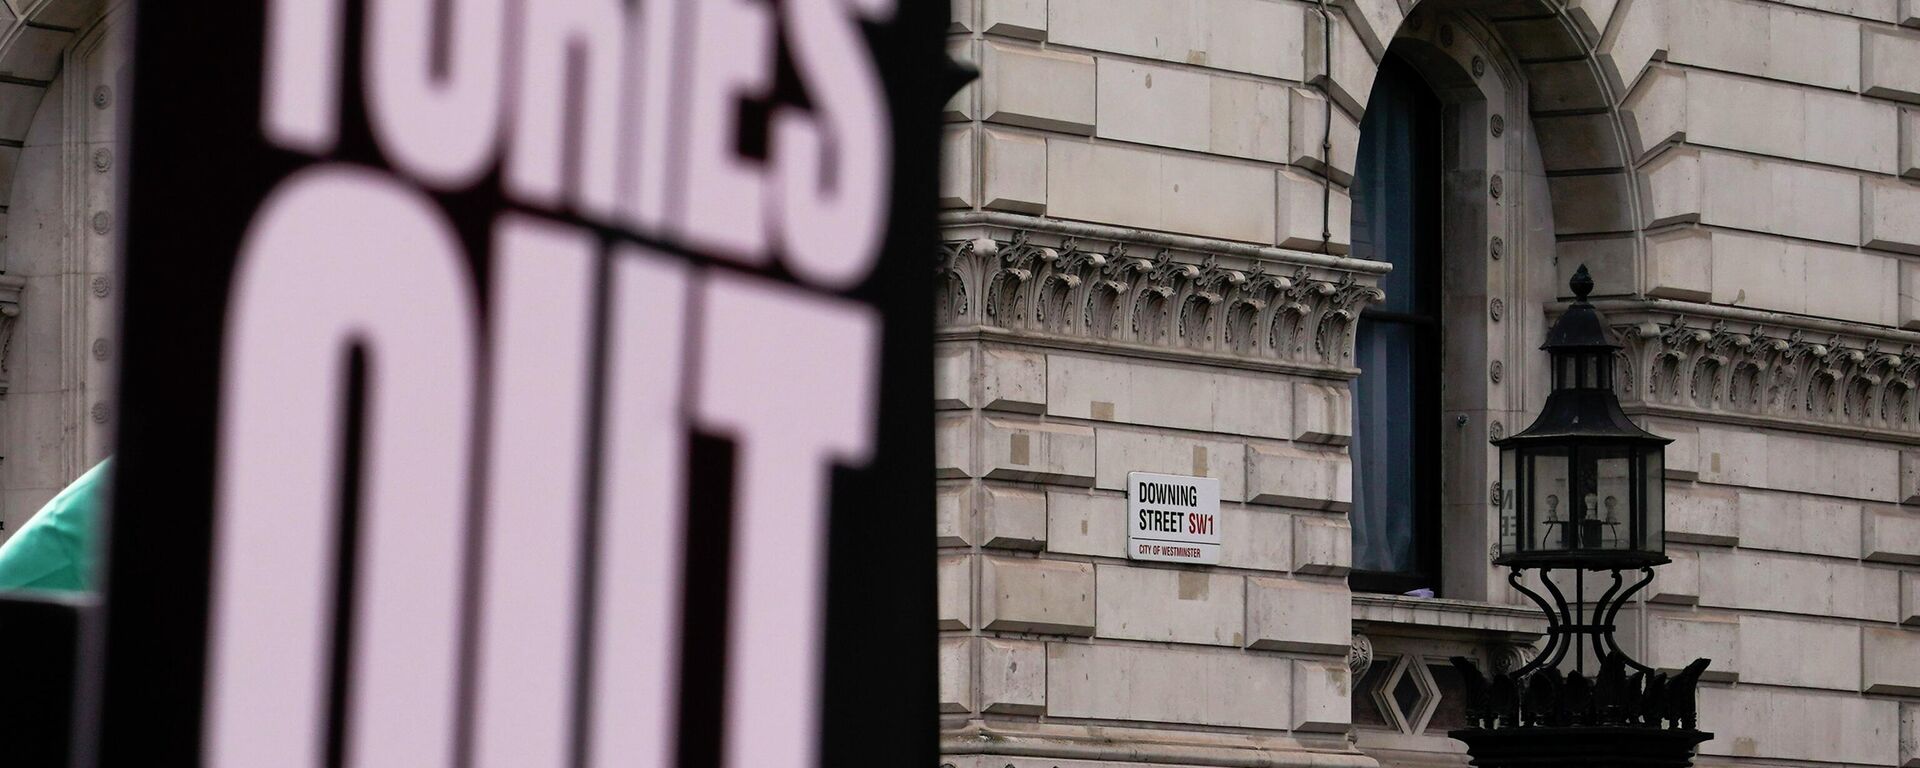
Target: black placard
[(40, 635), (496, 394)]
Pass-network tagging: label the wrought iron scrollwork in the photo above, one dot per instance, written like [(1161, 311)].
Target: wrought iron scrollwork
[(1546, 698), (1542, 693), (1566, 621)]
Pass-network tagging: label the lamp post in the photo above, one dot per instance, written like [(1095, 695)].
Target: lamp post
[(1581, 490)]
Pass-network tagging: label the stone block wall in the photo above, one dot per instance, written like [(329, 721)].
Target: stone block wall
[(63, 80), (1145, 271), (1147, 236), (1794, 556), (1778, 160), (1046, 624), (1777, 142), (1071, 116)]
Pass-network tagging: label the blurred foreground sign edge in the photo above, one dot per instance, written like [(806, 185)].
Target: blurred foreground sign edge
[(521, 383)]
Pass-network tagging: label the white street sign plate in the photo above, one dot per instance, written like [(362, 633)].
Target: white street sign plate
[(1173, 518)]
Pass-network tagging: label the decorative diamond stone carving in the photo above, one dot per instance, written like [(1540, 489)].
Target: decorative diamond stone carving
[(1408, 695)]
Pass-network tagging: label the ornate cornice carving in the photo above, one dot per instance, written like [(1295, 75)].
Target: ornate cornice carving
[(1051, 284), (10, 288), (1866, 381)]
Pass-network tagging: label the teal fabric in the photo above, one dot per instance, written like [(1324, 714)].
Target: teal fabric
[(54, 551)]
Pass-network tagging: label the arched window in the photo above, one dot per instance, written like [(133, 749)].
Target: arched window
[(1396, 442)]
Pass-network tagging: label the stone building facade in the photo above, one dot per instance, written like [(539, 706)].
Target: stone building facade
[(62, 90), (1156, 258), (1151, 262)]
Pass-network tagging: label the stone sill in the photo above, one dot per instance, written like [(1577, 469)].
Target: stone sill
[(1145, 744), (1432, 617)]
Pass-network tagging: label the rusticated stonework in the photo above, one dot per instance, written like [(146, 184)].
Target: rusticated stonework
[(1755, 370), (1117, 292)]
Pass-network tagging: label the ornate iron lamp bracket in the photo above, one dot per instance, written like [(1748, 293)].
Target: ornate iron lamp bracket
[(1567, 621), (1585, 451)]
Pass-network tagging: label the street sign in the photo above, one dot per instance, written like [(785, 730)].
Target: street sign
[(515, 383), (1173, 518)]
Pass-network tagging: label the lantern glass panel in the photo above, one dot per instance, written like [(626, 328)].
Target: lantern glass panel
[(1653, 531), (1598, 371), (1509, 506), (1588, 375), (1544, 476), (1607, 484)]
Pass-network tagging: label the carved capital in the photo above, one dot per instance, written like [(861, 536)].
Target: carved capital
[(1360, 656)]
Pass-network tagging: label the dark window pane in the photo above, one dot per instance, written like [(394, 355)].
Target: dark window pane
[(1395, 173), (1396, 208)]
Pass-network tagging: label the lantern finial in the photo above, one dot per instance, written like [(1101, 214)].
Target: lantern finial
[(1582, 283)]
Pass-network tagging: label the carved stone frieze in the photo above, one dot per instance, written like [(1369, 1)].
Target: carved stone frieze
[(1054, 284), (10, 287), (1866, 380)]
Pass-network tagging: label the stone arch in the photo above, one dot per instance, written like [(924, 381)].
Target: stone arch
[(61, 85), (1537, 180), (1574, 88), (33, 48)]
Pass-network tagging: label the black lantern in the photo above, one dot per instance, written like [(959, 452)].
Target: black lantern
[(1582, 487), (1581, 490)]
